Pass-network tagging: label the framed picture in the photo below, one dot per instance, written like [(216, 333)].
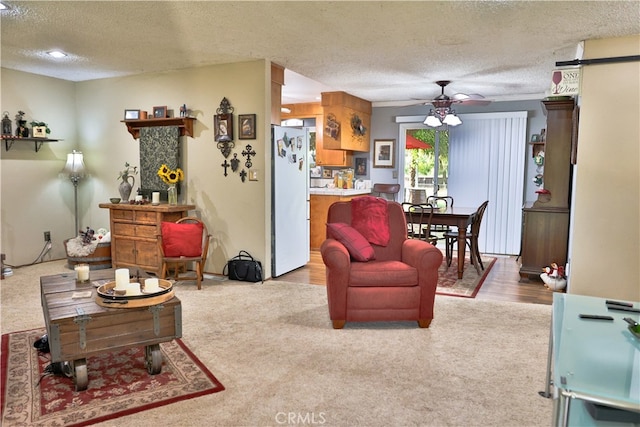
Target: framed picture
[(160, 112), (383, 153), (223, 125), (361, 166), (247, 125), (132, 114)]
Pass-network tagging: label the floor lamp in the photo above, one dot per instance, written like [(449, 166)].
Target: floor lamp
[(75, 171)]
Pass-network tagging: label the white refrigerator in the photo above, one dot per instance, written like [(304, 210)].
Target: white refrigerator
[(290, 199)]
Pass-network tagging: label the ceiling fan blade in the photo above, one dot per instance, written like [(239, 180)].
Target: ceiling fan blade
[(472, 101)]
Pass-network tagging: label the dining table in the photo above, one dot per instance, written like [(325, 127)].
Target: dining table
[(458, 217)]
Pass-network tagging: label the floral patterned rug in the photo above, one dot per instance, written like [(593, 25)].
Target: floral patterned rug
[(118, 384), (469, 285)]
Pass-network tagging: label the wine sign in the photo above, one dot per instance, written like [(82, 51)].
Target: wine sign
[(565, 82)]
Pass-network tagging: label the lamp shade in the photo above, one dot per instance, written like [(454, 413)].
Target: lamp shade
[(452, 120), (74, 168), (432, 121)]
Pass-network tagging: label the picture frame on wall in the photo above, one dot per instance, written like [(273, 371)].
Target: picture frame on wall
[(361, 166), (384, 153), (223, 125), (160, 112), (247, 126), (132, 114)]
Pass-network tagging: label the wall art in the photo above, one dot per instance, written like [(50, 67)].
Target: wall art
[(247, 124), (383, 153)]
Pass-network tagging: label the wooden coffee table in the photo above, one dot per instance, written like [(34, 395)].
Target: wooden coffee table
[(78, 327)]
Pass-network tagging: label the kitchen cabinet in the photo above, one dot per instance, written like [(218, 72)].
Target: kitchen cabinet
[(135, 230), (545, 222), (347, 122), (324, 157), (319, 207)]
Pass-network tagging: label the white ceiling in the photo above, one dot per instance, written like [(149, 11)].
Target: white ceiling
[(389, 52)]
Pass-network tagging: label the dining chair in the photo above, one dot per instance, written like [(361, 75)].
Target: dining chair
[(437, 202), (419, 218), (387, 191), (451, 238)]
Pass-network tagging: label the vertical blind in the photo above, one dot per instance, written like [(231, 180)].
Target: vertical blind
[(487, 162)]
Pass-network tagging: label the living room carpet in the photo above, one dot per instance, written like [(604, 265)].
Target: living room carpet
[(469, 285), (118, 384)]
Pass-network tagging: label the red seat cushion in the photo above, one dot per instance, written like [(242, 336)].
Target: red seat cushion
[(383, 274), (358, 247), (184, 239), (369, 215)]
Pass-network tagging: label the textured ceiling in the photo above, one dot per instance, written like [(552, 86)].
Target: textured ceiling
[(386, 52)]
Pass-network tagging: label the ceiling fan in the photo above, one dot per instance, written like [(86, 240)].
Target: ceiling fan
[(442, 113)]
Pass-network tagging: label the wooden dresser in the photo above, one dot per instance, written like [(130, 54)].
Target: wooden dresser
[(545, 228), (134, 231)]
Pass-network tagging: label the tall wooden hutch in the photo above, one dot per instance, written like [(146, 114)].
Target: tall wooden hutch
[(545, 228)]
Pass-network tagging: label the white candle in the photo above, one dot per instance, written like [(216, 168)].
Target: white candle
[(133, 289), (155, 198), (151, 285), (82, 273), (139, 198), (122, 278)]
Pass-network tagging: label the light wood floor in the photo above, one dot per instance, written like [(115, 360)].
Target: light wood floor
[(502, 283)]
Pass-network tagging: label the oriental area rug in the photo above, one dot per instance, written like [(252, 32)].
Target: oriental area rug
[(118, 384), (469, 285)]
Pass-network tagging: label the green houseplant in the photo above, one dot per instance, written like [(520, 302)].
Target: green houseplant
[(40, 129)]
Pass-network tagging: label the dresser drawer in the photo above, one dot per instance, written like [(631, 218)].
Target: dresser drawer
[(117, 214), (147, 217), (149, 231)]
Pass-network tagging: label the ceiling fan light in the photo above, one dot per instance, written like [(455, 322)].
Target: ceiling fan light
[(432, 121), (452, 120)]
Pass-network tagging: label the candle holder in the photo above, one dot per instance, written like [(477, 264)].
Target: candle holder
[(82, 273)]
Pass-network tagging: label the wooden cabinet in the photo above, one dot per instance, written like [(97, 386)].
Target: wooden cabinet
[(318, 209), (324, 157), (134, 231), (545, 225), (341, 112)]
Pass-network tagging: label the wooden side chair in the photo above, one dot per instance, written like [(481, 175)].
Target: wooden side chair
[(182, 242), (451, 238), (437, 201), (387, 191), (419, 218)]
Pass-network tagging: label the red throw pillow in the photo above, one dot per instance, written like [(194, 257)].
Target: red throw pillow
[(184, 239), (356, 244), (370, 217)]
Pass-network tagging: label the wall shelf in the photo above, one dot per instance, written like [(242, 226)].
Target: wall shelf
[(9, 140), (185, 124)]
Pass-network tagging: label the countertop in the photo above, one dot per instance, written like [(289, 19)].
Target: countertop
[(323, 191)]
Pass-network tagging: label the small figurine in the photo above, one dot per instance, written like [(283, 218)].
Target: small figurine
[(554, 277), (183, 110)]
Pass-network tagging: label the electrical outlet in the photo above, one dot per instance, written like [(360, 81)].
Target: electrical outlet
[(47, 236)]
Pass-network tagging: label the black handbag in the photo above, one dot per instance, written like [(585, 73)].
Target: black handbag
[(244, 268)]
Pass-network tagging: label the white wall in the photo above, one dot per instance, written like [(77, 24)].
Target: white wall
[(234, 211), (605, 249)]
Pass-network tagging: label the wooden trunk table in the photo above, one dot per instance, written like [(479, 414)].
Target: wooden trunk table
[(78, 327)]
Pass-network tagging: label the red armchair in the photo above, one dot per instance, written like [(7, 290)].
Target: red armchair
[(398, 285)]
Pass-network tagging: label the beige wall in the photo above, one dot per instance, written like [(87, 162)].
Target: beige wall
[(234, 211), (33, 198), (605, 250)]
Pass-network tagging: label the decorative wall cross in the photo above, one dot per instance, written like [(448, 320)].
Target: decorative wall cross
[(248, 152), (225, 165), (243, 175), (235, 162)]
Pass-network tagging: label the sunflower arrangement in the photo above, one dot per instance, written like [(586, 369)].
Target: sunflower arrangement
[(170, 176)]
